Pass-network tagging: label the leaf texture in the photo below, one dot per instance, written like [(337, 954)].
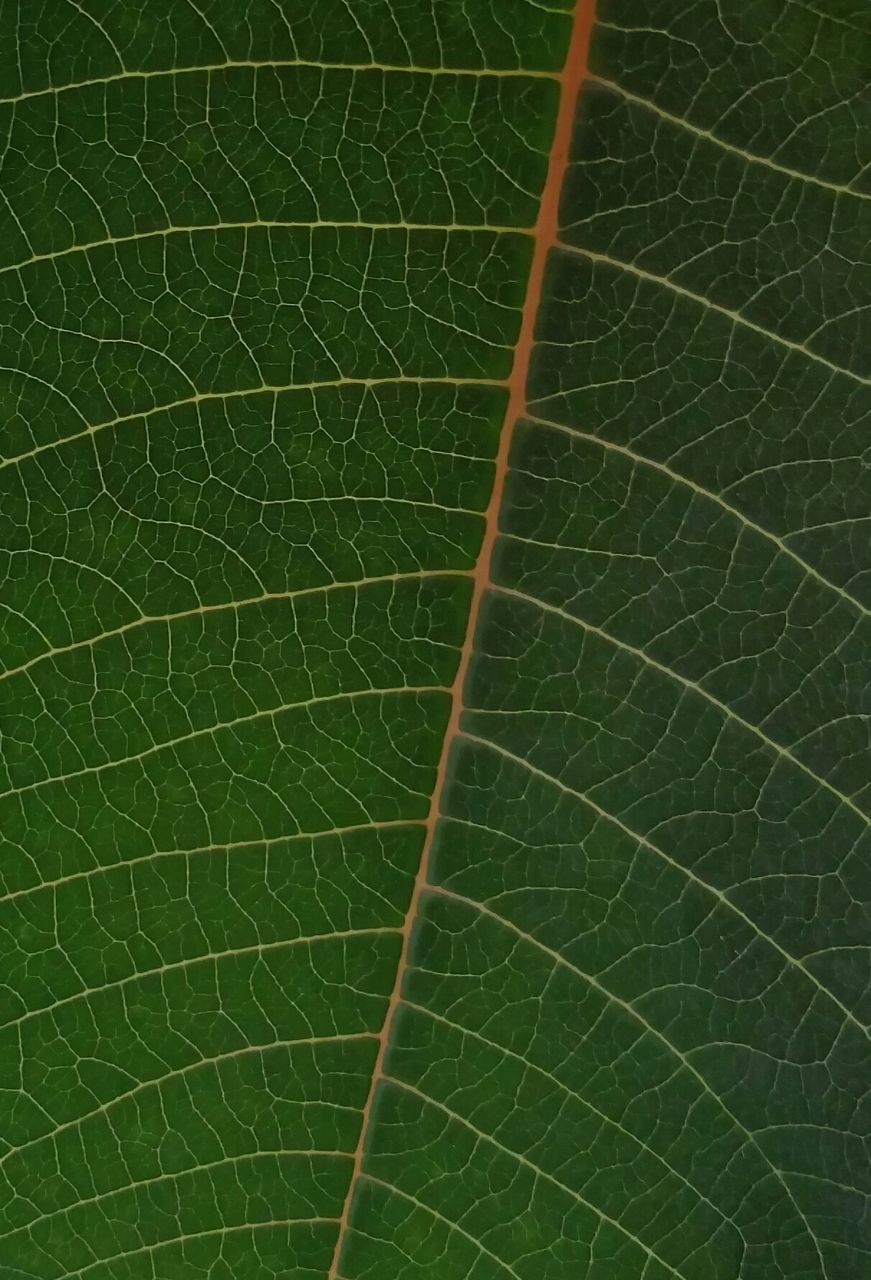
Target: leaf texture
[(633, 1038), (434, 641)]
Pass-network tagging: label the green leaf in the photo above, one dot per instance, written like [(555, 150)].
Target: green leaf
[(434, 642)]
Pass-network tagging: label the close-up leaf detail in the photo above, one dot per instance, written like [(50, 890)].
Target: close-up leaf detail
[(434, 640)]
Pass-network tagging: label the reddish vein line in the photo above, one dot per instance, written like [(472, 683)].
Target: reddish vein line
[(544, 237)]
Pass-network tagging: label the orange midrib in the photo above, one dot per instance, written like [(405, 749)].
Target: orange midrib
[(544, 237)]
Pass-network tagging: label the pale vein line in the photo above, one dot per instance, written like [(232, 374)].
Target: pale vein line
[(688, 684), (796, 174), (318, 224), (568, 546), (797, 1126), (171, 743), (829, 1182), (474, 73), (175, 1176), (829, 17), (361, 584), (228, 846), (735, 317), (439, 1217), (570, 1093), (264, 389), (716, 893), (363, 499), (209, 957), (96, 25), (536, 1171), (676, 476), (835, 524), (158, 1081), (638, 1017), (196, 1235)]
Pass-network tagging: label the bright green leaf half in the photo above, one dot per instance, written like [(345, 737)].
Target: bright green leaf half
[(261, 278)]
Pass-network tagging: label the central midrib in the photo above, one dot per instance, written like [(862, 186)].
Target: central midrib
[(544, 238)]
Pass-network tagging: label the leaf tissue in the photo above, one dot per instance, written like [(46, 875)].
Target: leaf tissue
[(434, 640)]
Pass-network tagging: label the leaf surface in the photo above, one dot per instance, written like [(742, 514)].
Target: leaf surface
[(434, 774)]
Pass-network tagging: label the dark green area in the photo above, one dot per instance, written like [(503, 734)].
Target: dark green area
[(786, 254), (635, 1034), (257, 300), (261, 271), (784, 79)]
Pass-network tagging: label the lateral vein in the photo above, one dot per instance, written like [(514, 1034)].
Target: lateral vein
[(716, 893), (312, 224), (664, 282), (476, 73), (692, 686), (751, 157), (638, 1017), (676, 476)]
